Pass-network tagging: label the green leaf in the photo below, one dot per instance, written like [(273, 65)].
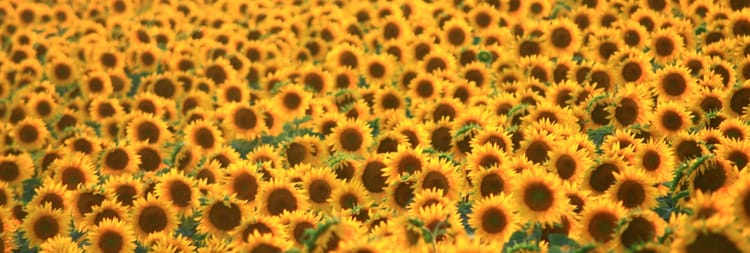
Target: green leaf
[(562, 240), (313, 234), (466, 129)]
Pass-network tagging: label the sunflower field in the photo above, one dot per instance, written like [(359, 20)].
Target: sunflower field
[(291, 126)]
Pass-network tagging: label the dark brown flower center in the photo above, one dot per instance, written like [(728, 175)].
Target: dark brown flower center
[(224, 217), (631, 193), (538, 197), (204, 137), (491, 184), (46, 227), (281, 200), (351, 139), (152, 219), (245, 186), (602, 226), (494, 221), (373, 178), (117, 159), (320, 191), (111, 242)]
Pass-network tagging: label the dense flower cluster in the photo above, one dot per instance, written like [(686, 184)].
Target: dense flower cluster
[(374, 126)]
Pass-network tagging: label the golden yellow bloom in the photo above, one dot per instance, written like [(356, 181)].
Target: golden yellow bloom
[(57, 244), (494, 219), (152, 216), (111, 236), (44, 223), (536, 197)]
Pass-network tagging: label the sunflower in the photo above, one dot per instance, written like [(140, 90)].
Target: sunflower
[(528, 46), (107, 210), (278, 198), (735, 151), (242, 180), (712, 175), (298, 151), (545, 113), (119, 159), (297, 222), (221, 215), (75, 170), (219, 71), (111, 236), (370, 172), (30, 133), (631, 107), (537, 145), (152, 216), (674, 83), (169, 243), (602, 45), (7, 196), (52, 193), (428, 197), (601, 177), (96, 83), (740, 196), (722, 70), (378, 69), (224, 155), (633, 189), (105, 109), (57, 244), (536, 198), (147, 127), (265, 154), (293, 100), (440, 174), (707, 238), (656, 160), (344, 55), (179, 190), (568, 162), (257, 225), (149, 156), (633, 69), (484, 16), (437, 217), (493, 218), (438, 61), (687, 147), (456, 33), (599, 221), (43, 223), (351, 136), (43, 106), (208, 176), (738, 99), (319, 184), (401, 193), (389, 101), (406, 160), (424, 86), (204, 136), (124, 189), (666, 45), (563, 37), (670, 118), (640, 228), (61, 71)]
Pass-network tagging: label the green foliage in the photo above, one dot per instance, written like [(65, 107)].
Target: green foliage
[(598, 135), (312, 235)]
